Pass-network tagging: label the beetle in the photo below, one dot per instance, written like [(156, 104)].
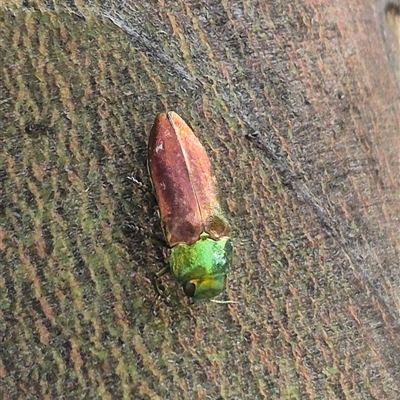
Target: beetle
[(194, 225)]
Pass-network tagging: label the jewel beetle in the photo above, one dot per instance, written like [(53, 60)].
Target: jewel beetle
[(194, 225)]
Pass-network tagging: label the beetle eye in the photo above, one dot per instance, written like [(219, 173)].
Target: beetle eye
[(189, 288)]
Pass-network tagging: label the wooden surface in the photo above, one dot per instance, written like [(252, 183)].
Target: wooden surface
[(297, 104)]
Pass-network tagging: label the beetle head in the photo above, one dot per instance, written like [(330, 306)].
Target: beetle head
[(201, 268)]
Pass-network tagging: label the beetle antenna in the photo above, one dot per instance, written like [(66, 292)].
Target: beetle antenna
[(224, 301)]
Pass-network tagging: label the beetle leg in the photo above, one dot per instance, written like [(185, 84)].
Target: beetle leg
[(155, 278), (147, 191), (141, 185), (154, 281), (162, 272)]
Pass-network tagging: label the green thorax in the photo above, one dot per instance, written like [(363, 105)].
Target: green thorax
[(201, 268)]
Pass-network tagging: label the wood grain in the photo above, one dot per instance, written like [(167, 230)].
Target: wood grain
[(297, 104)]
